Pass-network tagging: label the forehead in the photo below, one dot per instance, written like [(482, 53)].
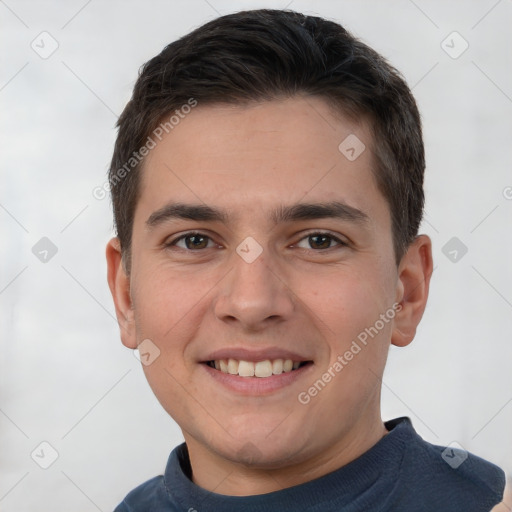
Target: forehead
[(262, 156)]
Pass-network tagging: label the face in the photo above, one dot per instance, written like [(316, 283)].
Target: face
[(258, 245)]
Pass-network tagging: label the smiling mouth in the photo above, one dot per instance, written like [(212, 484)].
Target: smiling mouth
[(261, 369)]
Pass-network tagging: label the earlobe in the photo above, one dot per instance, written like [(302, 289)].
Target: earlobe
[(119, 284), (414, 275)]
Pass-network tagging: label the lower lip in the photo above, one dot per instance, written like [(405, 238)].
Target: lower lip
[(257, 385)]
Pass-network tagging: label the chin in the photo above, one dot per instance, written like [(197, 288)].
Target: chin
[(261, 451), (254, 456)]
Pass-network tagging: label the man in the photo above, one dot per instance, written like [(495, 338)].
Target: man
[(267, 189)]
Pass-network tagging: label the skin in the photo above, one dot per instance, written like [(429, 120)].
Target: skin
[(297, 295), (506, 504)]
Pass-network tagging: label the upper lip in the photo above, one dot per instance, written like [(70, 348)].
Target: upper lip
[(245, 354)]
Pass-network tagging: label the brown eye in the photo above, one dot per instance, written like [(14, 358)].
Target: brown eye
[(191, 241), (320, 241), (196, 241)]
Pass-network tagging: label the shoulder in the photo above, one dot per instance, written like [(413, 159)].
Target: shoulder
[(144, 496), (154, 495), (442, 478), (452, 477)]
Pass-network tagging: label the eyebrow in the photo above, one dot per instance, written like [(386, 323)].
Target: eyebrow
[(289, 213)]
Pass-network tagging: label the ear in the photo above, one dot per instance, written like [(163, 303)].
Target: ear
[(119, 284), (414, 274)]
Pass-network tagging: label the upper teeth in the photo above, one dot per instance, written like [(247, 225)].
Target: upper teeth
[(259, 369)]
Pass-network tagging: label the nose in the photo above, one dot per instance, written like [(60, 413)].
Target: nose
[(254, 295)]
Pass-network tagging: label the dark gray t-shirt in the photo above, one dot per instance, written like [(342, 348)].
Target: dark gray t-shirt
[(401, 473)]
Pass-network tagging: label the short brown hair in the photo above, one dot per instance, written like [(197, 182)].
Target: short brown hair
[(267, 54)]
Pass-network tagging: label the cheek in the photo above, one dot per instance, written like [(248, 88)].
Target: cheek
[(345, 301), (168, 311), (348, 312), (168, 307)]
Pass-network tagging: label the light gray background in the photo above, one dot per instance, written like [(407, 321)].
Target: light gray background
[(65, 377)]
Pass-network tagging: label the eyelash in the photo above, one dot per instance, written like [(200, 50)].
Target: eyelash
[(173, 243)]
